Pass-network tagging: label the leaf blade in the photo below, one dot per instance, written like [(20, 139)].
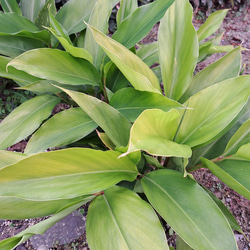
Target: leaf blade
[(184, 214), (210, 112), (25, 119), (178, 59), (63, 128), (122, 208), (65, 174), (132, 67), (57, 65), (154, 132), (116, 126)]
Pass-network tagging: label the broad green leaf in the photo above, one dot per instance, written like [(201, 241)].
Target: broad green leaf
[(212, 23), (15, 208), (142, 20), (115, 125), (74, 51), (232, 221), (99, 19), (154, 132), (178, 48), (15, 25), (241, 137), (65, 174), (132, 67), (58, 29), (22, 77), (42, 20), (13, 46), (127, 7), (41, 227), (212, 109), (216, 148), (30, 8), (10, 6), (72, 14), (243, 152), (25, 119), (149, 53), (234, 173), (57, 65), (63, 128), (226, 67), (10, 157), (61, 34), (131, 103), (131, 222), (189, 210)]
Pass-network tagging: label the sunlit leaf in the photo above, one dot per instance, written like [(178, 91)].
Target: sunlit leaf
[(131, 103), (243, 152), (178, 48), (131, 222), (10, 157), (154, 132), (12, 73), (65, 174), (212, 109), (226, 67), (184, 205), (57, 65), (212, 23), (142, 20), (132, 67), (115, 125), (98, 19)]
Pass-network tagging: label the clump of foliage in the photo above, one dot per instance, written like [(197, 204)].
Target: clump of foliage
[(124, 145)]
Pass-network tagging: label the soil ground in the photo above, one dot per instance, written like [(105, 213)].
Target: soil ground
[(237, 31)]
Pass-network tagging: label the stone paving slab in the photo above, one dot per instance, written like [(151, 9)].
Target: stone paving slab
[(68, 229)]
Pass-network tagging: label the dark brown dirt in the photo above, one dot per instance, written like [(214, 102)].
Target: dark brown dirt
[(237, 31)]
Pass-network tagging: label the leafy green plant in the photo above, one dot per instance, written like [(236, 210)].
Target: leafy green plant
[(125, 146)]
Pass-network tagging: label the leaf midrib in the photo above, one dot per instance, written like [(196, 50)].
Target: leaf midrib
[(26, 118), (115, 221), (164, 191)]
